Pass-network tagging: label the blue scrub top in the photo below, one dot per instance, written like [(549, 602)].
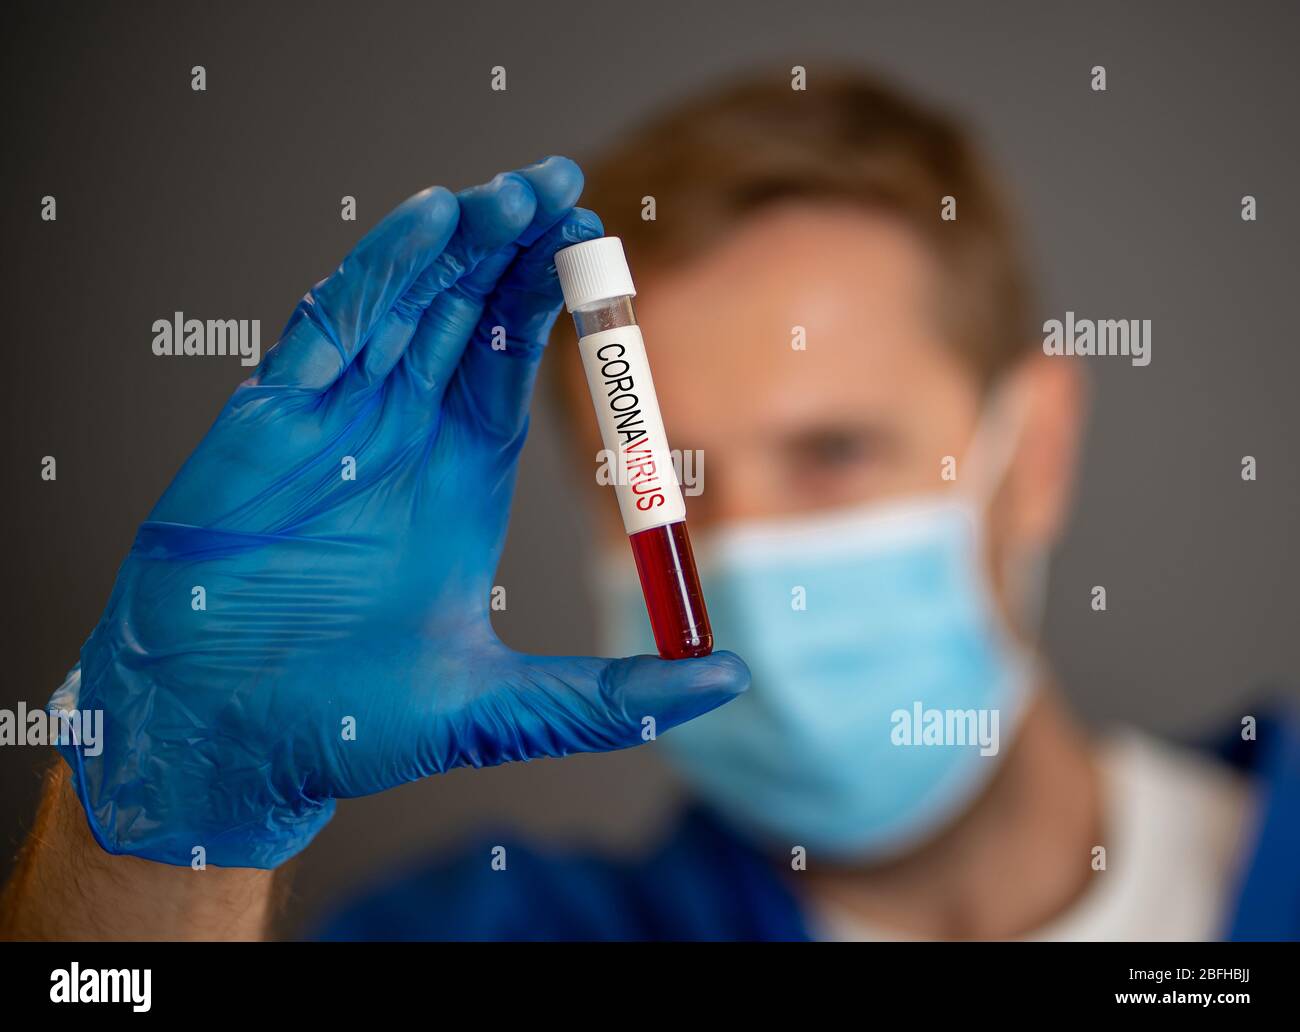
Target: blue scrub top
[(705, 882)]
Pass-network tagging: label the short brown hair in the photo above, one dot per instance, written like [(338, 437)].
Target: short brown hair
[(717, 158)]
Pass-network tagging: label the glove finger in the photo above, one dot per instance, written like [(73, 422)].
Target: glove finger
[(491, 218), (332, 322), (500, 365), (494, 225), (556, 705), (442, 334), (439, 342), (557, 183)]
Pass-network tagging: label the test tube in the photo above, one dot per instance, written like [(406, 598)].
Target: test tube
[(598, 291)]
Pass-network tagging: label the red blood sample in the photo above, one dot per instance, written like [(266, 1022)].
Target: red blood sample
[(672, 591)]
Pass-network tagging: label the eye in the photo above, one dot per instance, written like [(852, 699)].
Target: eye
[(832, 449)]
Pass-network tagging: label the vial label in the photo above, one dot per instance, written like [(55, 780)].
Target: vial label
[(631, 428)]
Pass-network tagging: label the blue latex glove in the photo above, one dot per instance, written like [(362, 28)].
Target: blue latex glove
[(346, 646)]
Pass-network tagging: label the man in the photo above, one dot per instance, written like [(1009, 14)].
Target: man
[(889, 457)]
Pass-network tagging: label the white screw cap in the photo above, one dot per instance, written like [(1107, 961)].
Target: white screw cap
[(593, 270)]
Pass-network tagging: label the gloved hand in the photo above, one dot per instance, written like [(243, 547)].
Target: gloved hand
[(343, 518)]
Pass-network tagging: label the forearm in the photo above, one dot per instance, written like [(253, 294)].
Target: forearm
[(65, 887)]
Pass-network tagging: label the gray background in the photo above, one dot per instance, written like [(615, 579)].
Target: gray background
[(225, 204)]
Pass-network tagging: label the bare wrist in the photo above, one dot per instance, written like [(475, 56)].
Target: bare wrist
[(66, 887)]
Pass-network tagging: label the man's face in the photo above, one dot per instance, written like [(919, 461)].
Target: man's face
[(867, 410), (871, 410)]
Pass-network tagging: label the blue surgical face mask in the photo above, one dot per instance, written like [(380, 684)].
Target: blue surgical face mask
[(885, 688)]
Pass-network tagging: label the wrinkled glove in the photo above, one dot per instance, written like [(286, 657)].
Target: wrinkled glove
[(344, 517)]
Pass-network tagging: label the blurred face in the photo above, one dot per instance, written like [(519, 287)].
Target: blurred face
[(852, 623), (866, 412)]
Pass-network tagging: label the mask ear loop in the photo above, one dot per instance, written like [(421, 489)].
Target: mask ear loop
[(988, 461), (993, 445), (1028, 577)]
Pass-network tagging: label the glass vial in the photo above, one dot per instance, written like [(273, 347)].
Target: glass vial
[(598, 292)]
